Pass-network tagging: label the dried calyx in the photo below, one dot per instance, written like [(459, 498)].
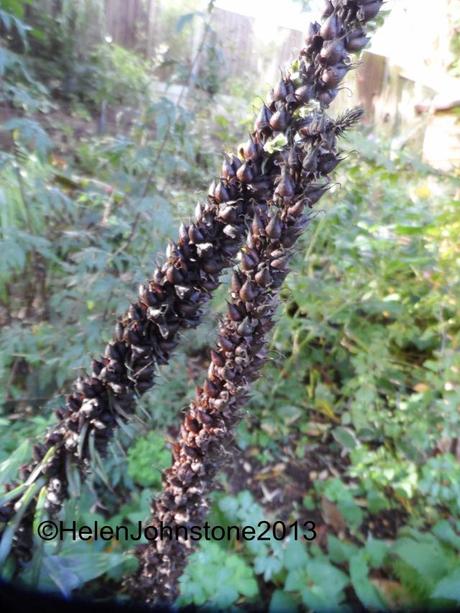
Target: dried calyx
[(206, 431)]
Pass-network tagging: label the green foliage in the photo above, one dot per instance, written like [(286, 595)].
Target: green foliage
[(216, 578), (440, 481), (147, 458)]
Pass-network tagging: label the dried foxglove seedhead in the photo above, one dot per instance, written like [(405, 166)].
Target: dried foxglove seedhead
[(173, 298), (240, 352)]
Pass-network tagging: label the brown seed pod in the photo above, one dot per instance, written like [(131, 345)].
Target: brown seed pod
[(274, 227), (257, 227), (328, 9), (332, 75), (234, 312), (263, 277), (221, 193), (227, 170), (280, 91), (313, 38), (328, 162), (331, 28), (280, 263), (280, 120), (248, 292), (245, 172), (369, 11), (228, 214), (262, 123), (327, 96), (304, 93), (286, 187), (297, 209), (252, 149), (332, 52), (225, 343), (315, 192), (237, 281), (217, 358), (248, 262), (210, 389), (195, 235)]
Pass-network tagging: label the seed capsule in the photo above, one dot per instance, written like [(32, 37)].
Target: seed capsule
[(330, 28), (237, 281), (252, 149), (221, 193), (257, 227), (217, 358), (369, 11), (234, 313), (313, 37), (304, 93), (297, 209), (279, 121), (328, 9), (210, 389), (245, 172), (286, 187), (280, 92), (332, 52), (245, 328), (195, 235), (280, 263), (326, 97), (225, 343), (328, 162), (227, 171), (274, 227), (247, 292), (332, 75), (248, 262), (315, 192), (262, 122)]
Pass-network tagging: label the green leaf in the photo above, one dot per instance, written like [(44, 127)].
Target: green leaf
[(281, 602), (10, 467), (449, 587), (444, 531), (70, 572), (268, 566), (376, 551), (428, 559), (340, 551), (366, 592), (345, 437), (295, 555)]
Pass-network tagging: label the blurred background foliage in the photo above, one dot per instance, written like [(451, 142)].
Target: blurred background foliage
[(355, 422)]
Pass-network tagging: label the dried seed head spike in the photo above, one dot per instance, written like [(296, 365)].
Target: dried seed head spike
[(144, 337), (237, 361)]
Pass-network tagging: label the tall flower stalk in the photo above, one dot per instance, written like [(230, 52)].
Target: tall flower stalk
[(250, 185), (207, 429), (311, 155)]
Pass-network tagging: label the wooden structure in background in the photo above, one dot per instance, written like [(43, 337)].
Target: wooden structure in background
[(404, 71)]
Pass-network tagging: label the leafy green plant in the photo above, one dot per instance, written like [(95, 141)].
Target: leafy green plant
[(147, 458), (216, 578)]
